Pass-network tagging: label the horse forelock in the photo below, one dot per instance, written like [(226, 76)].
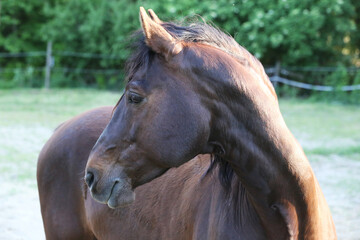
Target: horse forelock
[(199, 32)]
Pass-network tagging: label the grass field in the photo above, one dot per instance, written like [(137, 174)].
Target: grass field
[(329, 134)]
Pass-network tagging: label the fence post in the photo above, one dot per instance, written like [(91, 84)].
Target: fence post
[(48, 64)]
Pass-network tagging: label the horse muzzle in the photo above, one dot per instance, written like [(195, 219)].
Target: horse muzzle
[(115, 192)]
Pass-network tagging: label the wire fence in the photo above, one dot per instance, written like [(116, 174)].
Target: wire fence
[(314, 75), (60, 69), (309, 78)]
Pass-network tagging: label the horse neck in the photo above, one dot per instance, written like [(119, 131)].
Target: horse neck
[(269, 162), (272, 167)]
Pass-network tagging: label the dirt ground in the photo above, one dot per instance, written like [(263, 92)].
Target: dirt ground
[(20, 211), (333, 173), (20, 216)]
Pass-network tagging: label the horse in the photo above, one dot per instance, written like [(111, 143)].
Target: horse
[(67, 211), (192, 93)]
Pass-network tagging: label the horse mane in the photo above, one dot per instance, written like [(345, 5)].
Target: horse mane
[(198, 32), (226, 172)]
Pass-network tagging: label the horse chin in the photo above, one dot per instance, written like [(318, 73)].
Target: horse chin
[(121, 195)]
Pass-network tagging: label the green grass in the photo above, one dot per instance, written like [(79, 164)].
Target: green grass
[(49, 108), (323, 128), (326, 151), (27, 120)]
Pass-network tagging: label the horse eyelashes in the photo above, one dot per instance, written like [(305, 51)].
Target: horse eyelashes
[(134, 98)]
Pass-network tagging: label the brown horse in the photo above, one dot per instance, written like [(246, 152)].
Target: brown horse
[(191, 90), (68, 213)]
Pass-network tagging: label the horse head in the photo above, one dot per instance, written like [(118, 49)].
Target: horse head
[(170, 110)]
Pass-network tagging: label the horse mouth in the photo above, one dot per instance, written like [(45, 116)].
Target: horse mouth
[(121, 194)]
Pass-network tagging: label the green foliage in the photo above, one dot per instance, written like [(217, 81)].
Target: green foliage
[(337, 79), (91, 26), (355, 95), (287, 91), (98, 27), (27, 76), (294, 32), (303, 33), (20, 24)]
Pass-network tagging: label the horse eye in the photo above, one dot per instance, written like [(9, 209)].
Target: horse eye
[(134, 98)]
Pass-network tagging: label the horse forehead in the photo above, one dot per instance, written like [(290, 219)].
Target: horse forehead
[(162, 71)]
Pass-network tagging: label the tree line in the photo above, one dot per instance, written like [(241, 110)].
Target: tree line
[(295, 33)]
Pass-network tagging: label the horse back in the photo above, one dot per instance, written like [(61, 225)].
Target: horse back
[(60, 174)]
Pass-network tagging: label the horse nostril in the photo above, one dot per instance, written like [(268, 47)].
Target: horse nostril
[(89, 179)]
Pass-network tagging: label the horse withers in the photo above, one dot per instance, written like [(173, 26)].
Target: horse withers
[(191, 90)]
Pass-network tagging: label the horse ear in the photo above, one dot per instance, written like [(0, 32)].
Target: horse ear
[(156, 37), (154, 17)]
